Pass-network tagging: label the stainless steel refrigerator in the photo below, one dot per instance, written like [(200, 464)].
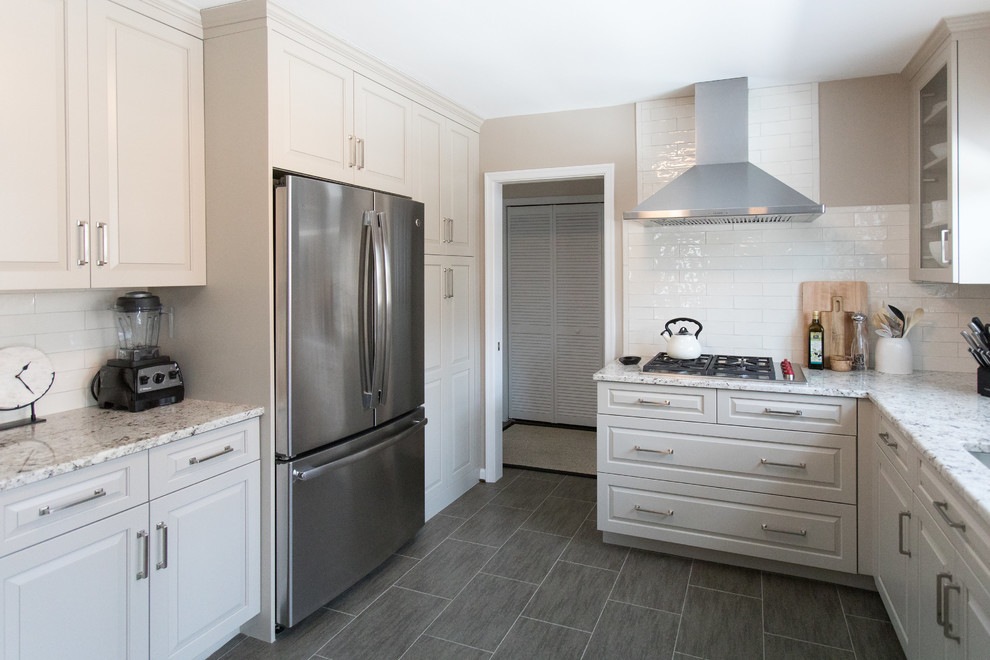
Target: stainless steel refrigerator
[(349, 386)]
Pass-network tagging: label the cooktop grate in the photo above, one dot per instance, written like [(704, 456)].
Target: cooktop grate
[(724, 366)]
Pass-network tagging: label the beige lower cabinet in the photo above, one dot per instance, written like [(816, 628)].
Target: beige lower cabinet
[(930, 563), (771, 476), (171, 578)]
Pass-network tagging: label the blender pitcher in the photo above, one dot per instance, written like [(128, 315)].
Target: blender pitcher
[(138, 322)]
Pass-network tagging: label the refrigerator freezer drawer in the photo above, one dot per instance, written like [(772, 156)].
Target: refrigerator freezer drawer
[(343, 511)]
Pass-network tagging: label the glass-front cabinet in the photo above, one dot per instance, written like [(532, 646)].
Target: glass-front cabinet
[(950, 191)]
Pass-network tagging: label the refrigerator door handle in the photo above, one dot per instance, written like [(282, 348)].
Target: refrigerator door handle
[(384, 349), (314, 472), (367, 314)]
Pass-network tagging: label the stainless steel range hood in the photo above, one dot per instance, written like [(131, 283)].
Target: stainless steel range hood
[(723, 186)]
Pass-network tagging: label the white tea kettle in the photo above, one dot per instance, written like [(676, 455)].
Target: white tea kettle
[(683, 345)]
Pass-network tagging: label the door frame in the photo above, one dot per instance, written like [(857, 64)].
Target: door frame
[(494, 267)]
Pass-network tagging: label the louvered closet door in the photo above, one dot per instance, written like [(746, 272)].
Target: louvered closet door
[(578, 311), (530, 292), (555, 311)]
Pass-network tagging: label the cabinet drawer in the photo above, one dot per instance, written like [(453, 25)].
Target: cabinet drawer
[(812, 465), (954, 517), (898, 450), (657, 401), (202, 456), (795, 412), (806, 532), (42, 510)]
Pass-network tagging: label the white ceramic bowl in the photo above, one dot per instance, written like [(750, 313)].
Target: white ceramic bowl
[(940, 150), (935, 248)]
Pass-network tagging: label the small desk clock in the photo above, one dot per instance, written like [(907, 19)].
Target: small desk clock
[(26, 375)]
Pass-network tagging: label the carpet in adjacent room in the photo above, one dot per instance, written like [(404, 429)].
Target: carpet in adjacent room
[(549, 448)]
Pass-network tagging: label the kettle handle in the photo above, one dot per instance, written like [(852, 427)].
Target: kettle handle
[(668, 331)]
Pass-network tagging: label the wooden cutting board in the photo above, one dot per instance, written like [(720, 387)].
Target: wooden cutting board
[(849, 297)]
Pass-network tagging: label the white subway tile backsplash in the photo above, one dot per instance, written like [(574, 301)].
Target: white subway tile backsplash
[(74, 328)]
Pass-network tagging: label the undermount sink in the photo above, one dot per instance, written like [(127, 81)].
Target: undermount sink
[(981, 456)]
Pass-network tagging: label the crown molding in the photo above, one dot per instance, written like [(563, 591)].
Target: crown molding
[(953, 27)]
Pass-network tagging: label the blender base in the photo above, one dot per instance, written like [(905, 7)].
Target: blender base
[(137, 386)]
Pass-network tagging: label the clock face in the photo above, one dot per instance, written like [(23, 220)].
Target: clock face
[(26, 374)]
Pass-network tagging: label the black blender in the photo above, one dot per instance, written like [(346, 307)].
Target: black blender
[(139, 378)]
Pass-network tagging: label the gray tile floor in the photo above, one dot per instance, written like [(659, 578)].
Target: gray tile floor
[(518, 569)]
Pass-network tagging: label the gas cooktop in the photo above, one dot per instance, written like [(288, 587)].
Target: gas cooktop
[(721, 366)]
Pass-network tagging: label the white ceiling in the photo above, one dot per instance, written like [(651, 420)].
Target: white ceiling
[(513, 57)]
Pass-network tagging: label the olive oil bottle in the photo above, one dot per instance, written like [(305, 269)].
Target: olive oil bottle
[(816, 343)]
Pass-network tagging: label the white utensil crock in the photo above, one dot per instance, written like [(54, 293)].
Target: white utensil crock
[(894, 355)]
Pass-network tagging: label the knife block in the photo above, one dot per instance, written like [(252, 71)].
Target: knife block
[(983, 380)]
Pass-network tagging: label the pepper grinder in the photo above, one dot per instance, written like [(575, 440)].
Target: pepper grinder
[(859, 349)]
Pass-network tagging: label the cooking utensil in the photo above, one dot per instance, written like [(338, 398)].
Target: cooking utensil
[(900, 317), (916, 316), (683, 345), (883, 332)]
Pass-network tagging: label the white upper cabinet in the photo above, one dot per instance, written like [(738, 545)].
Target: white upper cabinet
[(102, 159), (43, 144), (950, 186), (330, 122), (446, 180), (146, 151)]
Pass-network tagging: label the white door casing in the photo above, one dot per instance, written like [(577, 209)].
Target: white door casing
[(494, 266)]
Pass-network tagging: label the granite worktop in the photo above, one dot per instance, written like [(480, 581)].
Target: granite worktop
[(76, 439), (939, 412)]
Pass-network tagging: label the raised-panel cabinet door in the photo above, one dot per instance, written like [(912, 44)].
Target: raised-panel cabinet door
[(427, 150), (43, 145), (936, 570), (383, 128), (894, 574), (460, 190), (434, 399), (79, 595), (461, 328), (205, 563), (975, 611), (310, 111), (147, 176)]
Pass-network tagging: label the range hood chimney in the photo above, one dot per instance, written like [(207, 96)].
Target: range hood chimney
[(723, 186)]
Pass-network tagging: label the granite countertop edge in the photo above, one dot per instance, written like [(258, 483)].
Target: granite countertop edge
[(940, 413), (90, 436)]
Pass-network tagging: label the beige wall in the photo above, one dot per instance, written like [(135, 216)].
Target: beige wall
[(864, 136), (562, 139)]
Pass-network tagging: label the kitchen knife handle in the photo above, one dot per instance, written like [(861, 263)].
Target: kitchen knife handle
[(900, 532), (82, 235)]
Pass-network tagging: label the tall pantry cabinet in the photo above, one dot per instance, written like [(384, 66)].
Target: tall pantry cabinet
[(284, 96)]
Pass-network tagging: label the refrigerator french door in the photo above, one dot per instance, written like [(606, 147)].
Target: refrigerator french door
[(349, 386)]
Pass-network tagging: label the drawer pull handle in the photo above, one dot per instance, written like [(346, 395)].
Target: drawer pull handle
[(887, 441), (789, 413), (802, 532), (647, 402), (668, 512), (900, 532), (47, 510), (797, 466), (946, 624), (163, 540), (653, 451), (225, 450), (143, 538), (943, 510)]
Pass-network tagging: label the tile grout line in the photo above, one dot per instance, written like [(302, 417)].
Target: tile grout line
[(605, 604), (845, 620), (680, 619)]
